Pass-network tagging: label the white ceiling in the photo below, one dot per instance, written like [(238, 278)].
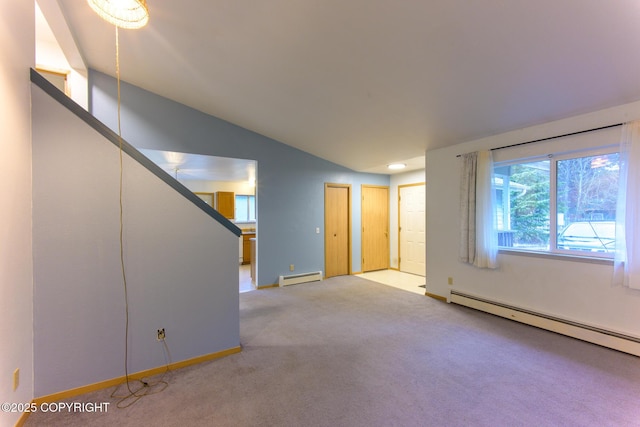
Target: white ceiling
[(186, 166), (363, 83)]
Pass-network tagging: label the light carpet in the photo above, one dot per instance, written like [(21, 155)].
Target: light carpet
[(350, 352)]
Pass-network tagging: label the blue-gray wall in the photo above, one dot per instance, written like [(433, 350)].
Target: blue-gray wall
[(290, 182), (181, 274)]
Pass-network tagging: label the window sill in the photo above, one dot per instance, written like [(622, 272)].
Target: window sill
[(556, 256)]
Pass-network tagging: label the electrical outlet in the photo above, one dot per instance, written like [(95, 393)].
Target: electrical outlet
[(161, 334), (450, 280), (16, 379), (291, 268)]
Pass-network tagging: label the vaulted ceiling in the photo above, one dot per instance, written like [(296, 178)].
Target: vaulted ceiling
[(363, 83)]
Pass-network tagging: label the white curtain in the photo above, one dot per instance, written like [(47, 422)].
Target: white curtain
[(478, 239), (626, 267)]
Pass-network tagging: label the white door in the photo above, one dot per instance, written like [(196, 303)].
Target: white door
[(412, 229)]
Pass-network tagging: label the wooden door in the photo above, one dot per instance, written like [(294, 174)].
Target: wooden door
[(411, 229), (337, 220), (375, 227)]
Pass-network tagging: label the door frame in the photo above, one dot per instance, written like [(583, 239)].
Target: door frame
[(416, 184), (349, 215)]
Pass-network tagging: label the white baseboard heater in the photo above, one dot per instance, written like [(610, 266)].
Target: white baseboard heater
[(294, 279), (617, 341)]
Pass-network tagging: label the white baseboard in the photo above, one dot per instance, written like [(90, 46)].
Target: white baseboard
[(595, 335)]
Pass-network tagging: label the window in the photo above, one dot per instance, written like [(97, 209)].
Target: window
[(245, 208), (560, 204)]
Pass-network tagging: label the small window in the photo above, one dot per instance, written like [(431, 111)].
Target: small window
[(245, 208), (560, 204)]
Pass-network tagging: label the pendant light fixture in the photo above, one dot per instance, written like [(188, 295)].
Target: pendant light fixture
[(130, 14)]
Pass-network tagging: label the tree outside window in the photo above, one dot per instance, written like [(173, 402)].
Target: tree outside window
[(580, 190)]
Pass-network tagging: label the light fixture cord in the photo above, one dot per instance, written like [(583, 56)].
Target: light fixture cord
[(146, 387), (122, 264)]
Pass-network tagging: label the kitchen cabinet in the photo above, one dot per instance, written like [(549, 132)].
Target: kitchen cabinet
[(226, 203), (253, 259), (246, 247)]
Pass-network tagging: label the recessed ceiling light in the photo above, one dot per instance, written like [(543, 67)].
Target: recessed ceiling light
[(397, 166)]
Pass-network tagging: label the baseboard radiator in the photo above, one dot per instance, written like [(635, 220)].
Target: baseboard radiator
[(606, 338), (294, 279)]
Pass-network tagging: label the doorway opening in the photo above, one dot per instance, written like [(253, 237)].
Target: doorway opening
[(227, 185)]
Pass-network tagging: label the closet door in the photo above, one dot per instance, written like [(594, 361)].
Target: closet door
[(337, 219), (375, 227)]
